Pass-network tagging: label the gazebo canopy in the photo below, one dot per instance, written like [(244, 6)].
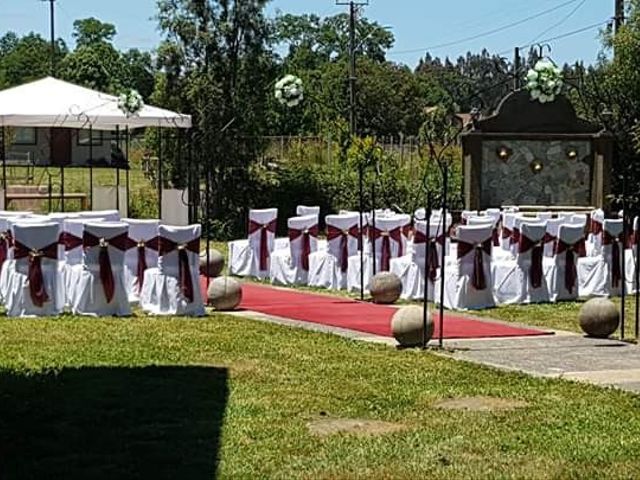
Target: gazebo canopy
[(50, 102)]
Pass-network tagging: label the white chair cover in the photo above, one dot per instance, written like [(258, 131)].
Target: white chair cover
[(553, 227), (466, 214), (507, 234), (328, 268), (594, 237), (92, 290), (562, 271), (522, 280), (166, 288), (468, 282), (290, 266), (631, 257), (304, 210), (245, 257), (15, 213), (36, 248), (601, 275), (544, 215), (142, 255), (107, 215)]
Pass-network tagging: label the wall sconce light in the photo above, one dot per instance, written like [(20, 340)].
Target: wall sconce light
[(572, 153), (536, 166), (504, 153)]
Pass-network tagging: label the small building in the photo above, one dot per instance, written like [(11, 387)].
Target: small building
[(536, 156)]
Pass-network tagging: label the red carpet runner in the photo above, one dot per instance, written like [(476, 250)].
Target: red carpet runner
[(361, 316)]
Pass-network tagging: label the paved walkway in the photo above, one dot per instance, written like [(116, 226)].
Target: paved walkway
[(563, 355)]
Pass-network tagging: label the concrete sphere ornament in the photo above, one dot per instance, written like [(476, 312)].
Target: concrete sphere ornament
[(407, 326), (224, 293), (216, 263), (599, 317), (385, 287)]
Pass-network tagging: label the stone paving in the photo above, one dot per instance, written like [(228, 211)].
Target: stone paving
[(562, 355)]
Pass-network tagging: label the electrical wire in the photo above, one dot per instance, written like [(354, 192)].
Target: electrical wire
[(556, 25), (486, 33)]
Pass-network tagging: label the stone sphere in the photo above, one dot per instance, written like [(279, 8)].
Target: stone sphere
[(407, 325), (216, 263), (224, 293), (599, 317), (385, 287)]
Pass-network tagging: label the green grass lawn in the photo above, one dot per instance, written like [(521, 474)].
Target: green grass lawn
[(227, 397)]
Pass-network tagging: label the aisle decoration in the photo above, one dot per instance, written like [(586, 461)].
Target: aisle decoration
[(544, 81), (289, 91), (130, 102)]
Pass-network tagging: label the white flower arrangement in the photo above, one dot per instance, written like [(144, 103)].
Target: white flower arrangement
[(130, 102), (289, 90), (544, 81)]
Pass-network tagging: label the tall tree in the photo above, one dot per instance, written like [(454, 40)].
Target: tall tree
[(26, 58)]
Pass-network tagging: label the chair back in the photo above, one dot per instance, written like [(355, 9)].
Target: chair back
[(15, 213), (436, 239), (71, 238), (531, 238), (303, 239), (342, 235), (544, 215), (551, 236), (303, 210), (262, 234), (37, 237), (100, 237), (172, 240), (474, 254), (578, 219), (144, 242), (466, 214), (387, 239), (107, 215)]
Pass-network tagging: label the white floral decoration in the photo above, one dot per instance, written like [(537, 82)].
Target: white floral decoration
[(544, 81), (289, 90), (130, 102)]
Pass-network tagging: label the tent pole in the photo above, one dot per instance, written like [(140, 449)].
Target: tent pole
[(126, 146), (160, 173), (4, 166), (91, 167), (117, 168)]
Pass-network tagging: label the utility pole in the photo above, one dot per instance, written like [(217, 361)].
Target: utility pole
[(52, 28), (618, 20), (516, 69)]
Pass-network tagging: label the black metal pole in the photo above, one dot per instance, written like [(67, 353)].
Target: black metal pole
[(126, 146), (52, 26), (91, 167), (636, 264), (427, 252), (361, 229), (4, 166), (624, 236), (373, 226), (445, 234), (117, 168), (160, 173)]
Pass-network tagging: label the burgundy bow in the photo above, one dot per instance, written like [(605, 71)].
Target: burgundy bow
[(506, 232), (595, 227), (121, 242), (69, 240), (36, 281), (478, 280), (537, 250), (333, 233), (570, 269), (264, 243), (387, 235), (515, 236), (141, 266), (432, 260), (166, 246), (5, 241), (616, 268), (306, 235), (495, 237)]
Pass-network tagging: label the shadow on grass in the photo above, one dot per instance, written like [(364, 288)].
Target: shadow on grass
[(112, 423)]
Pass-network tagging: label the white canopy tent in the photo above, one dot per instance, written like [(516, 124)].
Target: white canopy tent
[(53, 103), (50, 102)]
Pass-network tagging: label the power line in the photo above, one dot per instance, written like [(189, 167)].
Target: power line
[(564, 19), (488, 32)]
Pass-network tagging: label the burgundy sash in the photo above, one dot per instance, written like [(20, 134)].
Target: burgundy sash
[(433, 263), (70, 241), (385, 255), (306, 234), (478, 280), (333, 233), (166, 246), (595, 227), (264, 241), (5, 241), (616, 267), (36, 281), (506, 232), (141, 266), (537, 251), (121, 242), (515, 236), (495, 237), (570, 269)]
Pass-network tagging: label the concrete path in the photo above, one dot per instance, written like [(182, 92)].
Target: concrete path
[(563, 355)]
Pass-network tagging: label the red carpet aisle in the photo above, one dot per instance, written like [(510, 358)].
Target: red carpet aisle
[(360, 316)]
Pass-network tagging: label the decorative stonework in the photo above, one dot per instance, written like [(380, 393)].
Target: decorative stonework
[(562, 181)]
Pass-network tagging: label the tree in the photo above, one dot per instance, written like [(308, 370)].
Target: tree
[(27, 58), (90, 31)]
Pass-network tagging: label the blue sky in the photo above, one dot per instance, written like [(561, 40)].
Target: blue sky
[(416, 24)]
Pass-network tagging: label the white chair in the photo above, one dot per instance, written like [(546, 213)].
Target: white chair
[(250, 257), (544, 215), (410, 268), (143, 254), (561, 271), (551, 236), (487, 220), (601, 274), (173, 287), (631, 257), (595, 224), (468, 283), (33, 283), (328, 268), (96, 286), (466, 214), (522, 280), (386, 238), (290, 266), (107, 215), (15, 213), (304, 210), (506, 237)]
